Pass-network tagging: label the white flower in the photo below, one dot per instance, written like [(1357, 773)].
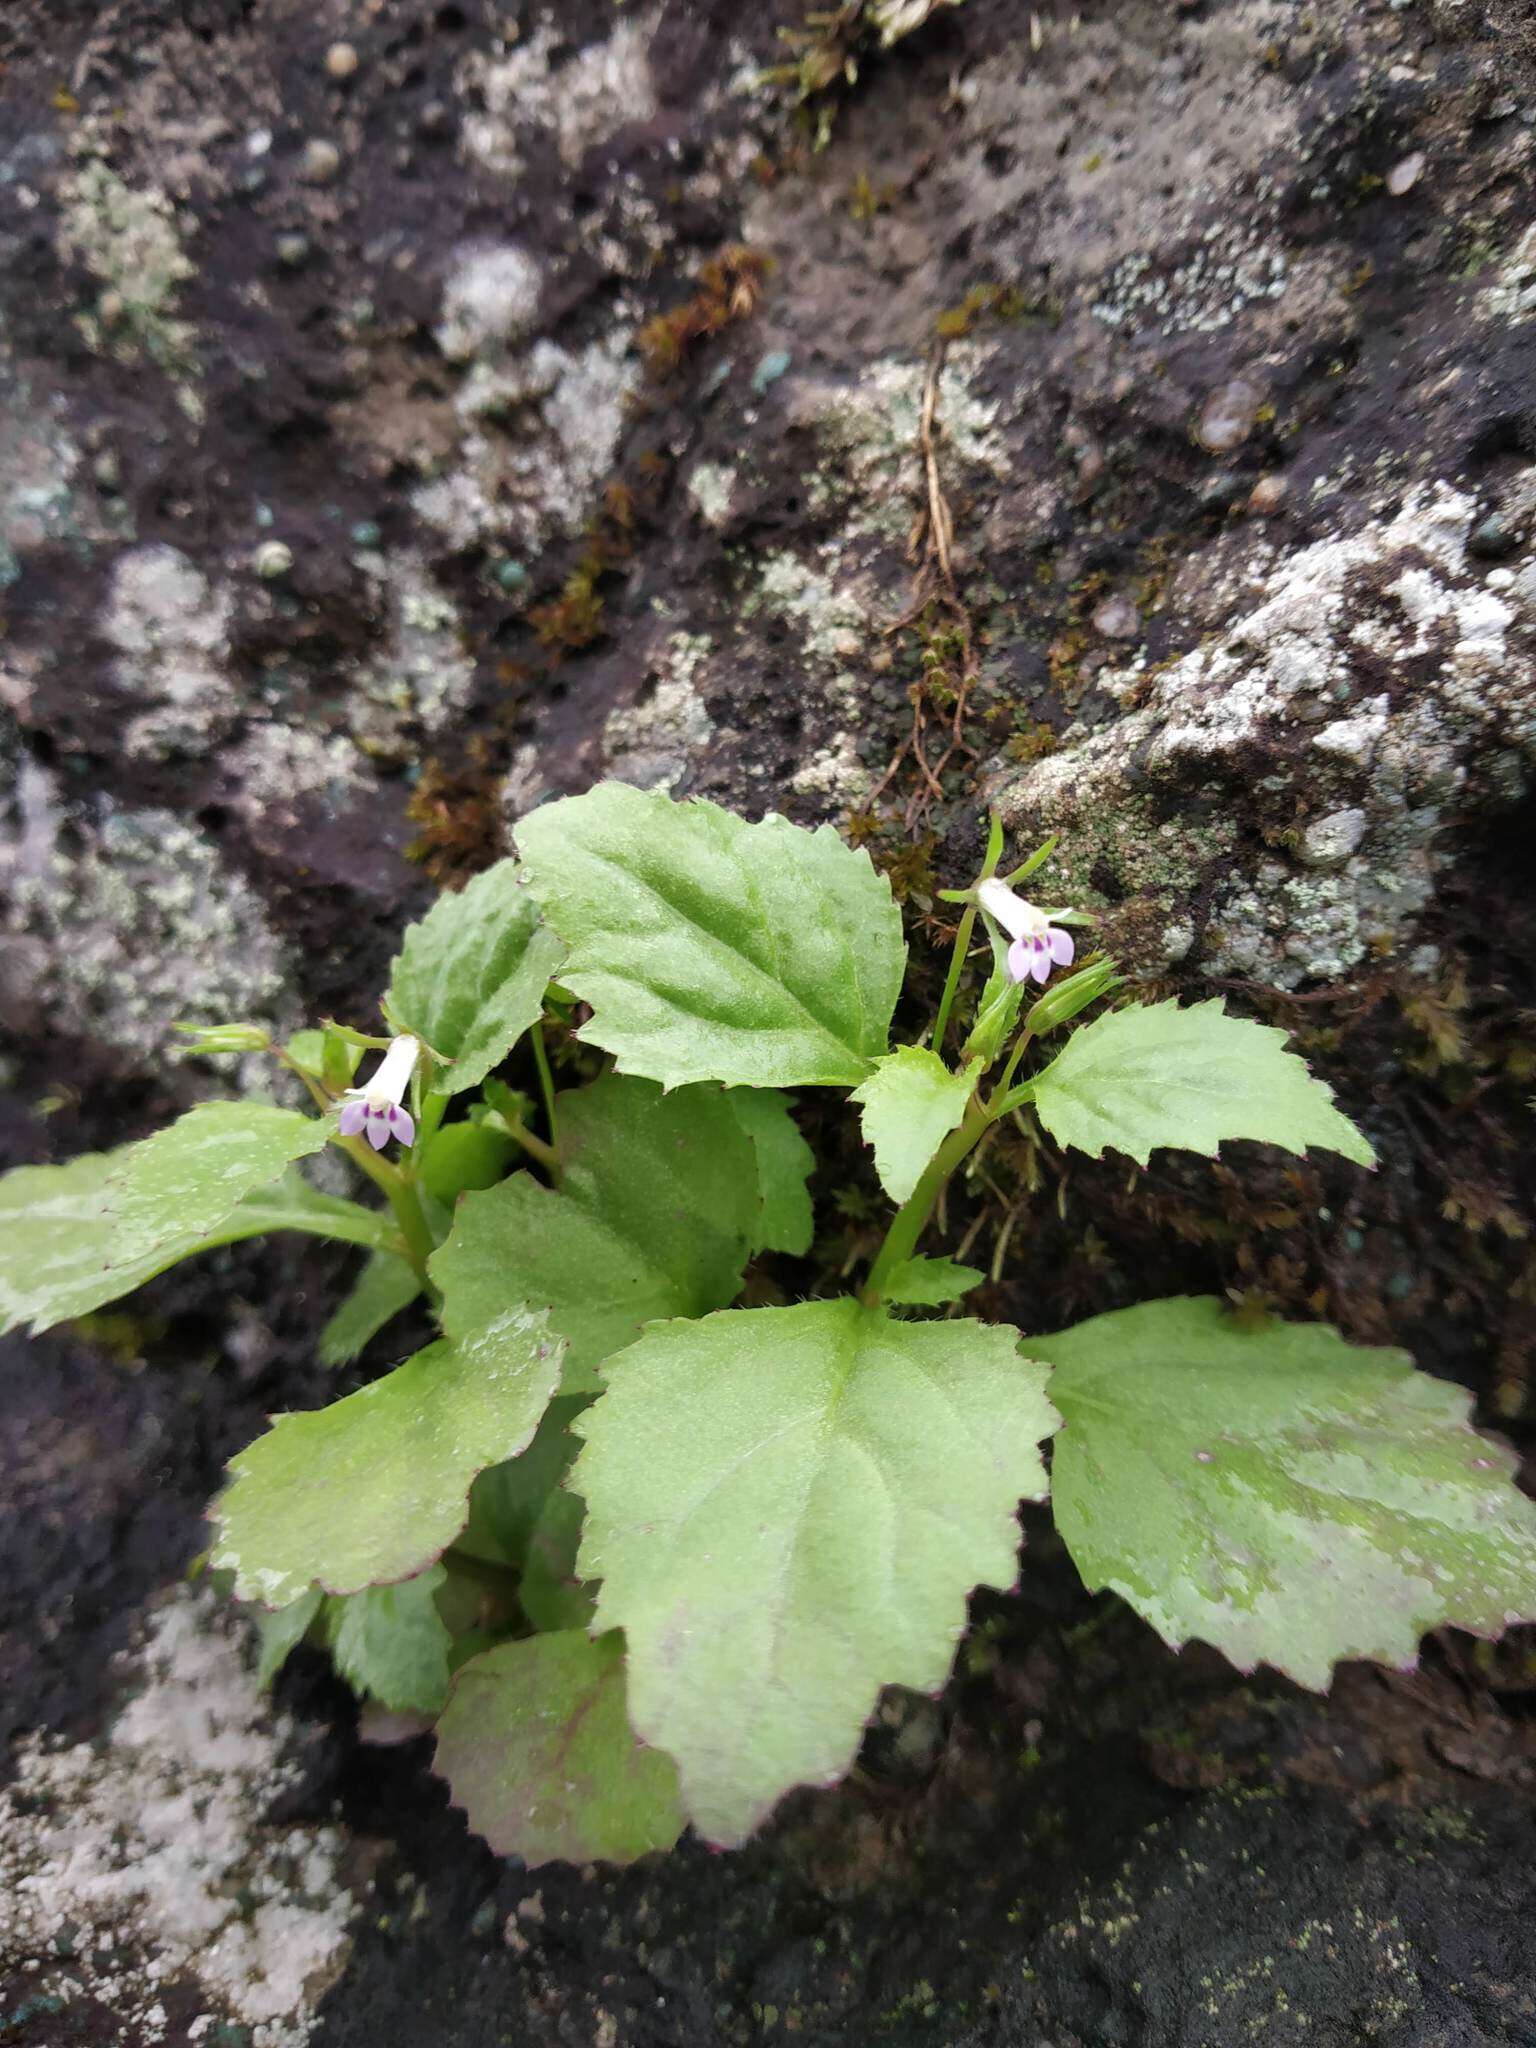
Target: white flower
[(376, 1111), (1038, 945)]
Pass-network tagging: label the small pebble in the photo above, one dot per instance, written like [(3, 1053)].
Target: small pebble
[(111, 306), (293, 250), (1329, 842), (341, 61), (1404, 175), (367, 534), (512, 576), (1267, 496), (320, 162), (1228, 416), (1117, 619), (1222, 493), (1492, 541), (272, 559), (435, 121)]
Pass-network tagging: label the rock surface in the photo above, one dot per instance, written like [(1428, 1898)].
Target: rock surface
[(415, 409)]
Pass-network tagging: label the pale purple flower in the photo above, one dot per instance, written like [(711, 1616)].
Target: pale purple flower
[(376, 1112), (1038, 945)]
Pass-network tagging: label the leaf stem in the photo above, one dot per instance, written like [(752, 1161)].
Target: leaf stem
[(1005, 1080), (535, 1147), (963, 936), (912, 1218), (547, 1090), (400, 1191), (952, 983)]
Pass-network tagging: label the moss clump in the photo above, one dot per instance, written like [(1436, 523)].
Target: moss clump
[(729, 290)]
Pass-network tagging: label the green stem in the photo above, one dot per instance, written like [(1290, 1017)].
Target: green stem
[(536, 1148), (1005, 1081), (398, 1190), (547, 1090), (963, 937), (912, 1218), (402, 1196), (956, 968)]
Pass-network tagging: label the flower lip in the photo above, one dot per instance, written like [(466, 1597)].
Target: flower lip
[(1038, 945), (377, 1112)]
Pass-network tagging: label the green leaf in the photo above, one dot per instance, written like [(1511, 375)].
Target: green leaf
[(909, 1106), (711, 949), (292, 1204), (390, 1642), (75, 1236), (1158, 1075), (784, 1163), (787, 1508), (186, 1179), (536, 1746), (307, 1050), (552, 1591), (1284, 1495), (507, 1500), (279, 1634), (374, 1488), (929, 1283), (470, 978), (385, 1286), (465, 1157), (655, 1216)]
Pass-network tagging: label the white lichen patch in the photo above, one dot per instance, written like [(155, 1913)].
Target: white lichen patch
[(829, 622), (869, 433), (490, 300), (581, 101), (117, 923), (171, 631), (38, 463), (1512, 295), (1201, 294), (422, 677), (836, 777), (276, 768), (146, 1864), (1287, 703), (540, 432), (711, 486), (654, 744), (131, 241)]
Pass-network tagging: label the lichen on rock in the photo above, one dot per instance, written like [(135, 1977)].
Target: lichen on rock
[(145, 1869), (523, 91), (131, 240), (119, 921), (170, 628), (539, 431), (656, 742), (1298, 767)]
